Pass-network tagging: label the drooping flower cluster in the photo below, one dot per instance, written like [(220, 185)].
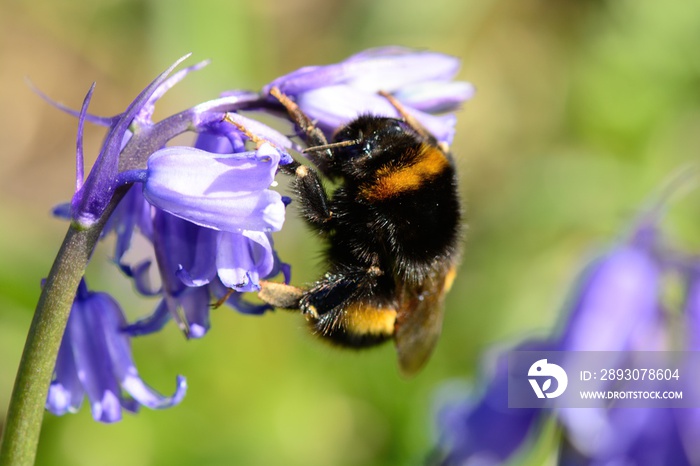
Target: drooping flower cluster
[(208, 211), (617, 306), (95, 359)]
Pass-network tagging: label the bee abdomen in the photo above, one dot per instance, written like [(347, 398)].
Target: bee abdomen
[(358, 325)]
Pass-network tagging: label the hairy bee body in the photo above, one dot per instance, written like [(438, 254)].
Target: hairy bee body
[(392, 229)]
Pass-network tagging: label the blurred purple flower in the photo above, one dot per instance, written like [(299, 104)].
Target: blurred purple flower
[(621, 289), (616, 307), (95, 359), (333, 95), (483, 430)]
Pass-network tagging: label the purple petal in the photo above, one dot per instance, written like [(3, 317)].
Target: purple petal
[(335, 106), (217, 142), (119, 348), (243, 259), (195, 305), (61, 211), (88, 204), (220, 191), (279, 266), (141, 274), (222, 137), (485, 430), (692, 312), (207, 112), (133, 213), (186, 252), (151, 324), (387, 69), (146, 111), (435, 96), (97, 120), (79, 160), (150, 398), (618, 296), (631, 436), (601, 432), (390, 69), (66, 393), (130, 405), (92, 358), (189, 280), (61, 399)]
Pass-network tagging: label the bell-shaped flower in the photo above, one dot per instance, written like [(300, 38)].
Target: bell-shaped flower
[(95, 360), (483, 430), (220, 191), (617, 298), (211, 214), (197, 263), (421, 81)]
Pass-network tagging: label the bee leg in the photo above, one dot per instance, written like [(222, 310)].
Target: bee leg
[(327, 295), (335, 290), (280, 295), (311, 195), (313, 198), (313, 136), (343, 308)]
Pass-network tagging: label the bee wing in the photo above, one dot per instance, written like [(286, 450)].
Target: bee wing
[(419, 321)]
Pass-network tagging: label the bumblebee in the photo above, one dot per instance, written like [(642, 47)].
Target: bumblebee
[(392, 229)]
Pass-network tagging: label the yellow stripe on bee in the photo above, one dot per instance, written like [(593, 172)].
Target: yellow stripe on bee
[(363, 319), (393, 181), (449, 279)]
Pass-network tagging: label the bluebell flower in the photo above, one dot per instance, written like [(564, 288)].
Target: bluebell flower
[(333, 95), (225, 192), (616, 306), (95, 360), (211, 203), (483, 430), (620, 288), (206, 231), (196, 263)]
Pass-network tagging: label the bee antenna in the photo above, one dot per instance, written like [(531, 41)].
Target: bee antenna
[(352, 142)]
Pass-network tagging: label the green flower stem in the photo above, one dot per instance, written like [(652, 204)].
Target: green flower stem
[(26, 411)]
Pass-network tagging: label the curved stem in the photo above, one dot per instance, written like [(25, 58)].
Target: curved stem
[(26, 411)]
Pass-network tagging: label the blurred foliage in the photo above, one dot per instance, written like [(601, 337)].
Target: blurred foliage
[(583, 110)]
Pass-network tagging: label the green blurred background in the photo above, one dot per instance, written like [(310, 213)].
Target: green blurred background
[(583, 109)]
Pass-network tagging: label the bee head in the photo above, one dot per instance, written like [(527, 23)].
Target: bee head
[(368, 144)]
